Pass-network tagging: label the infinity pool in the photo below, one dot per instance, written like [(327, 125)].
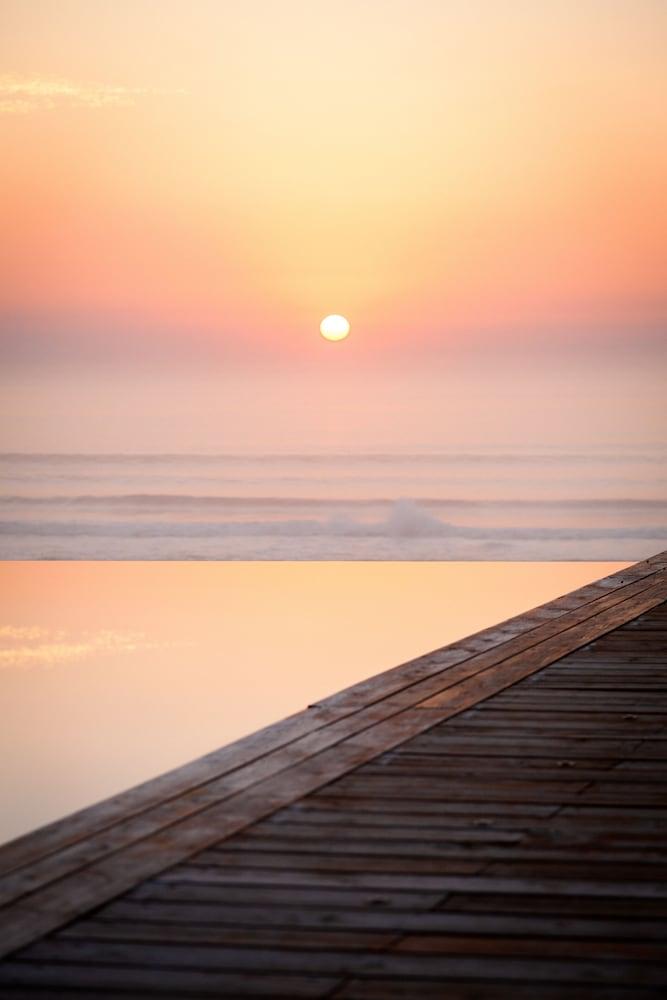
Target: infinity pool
[(112, 672)]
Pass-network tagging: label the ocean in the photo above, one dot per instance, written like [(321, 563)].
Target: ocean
[(504, 504)]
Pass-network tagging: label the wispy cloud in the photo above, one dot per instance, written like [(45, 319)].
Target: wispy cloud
[(22, 95)]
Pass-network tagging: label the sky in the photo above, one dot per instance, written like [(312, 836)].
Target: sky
[(189, 187)]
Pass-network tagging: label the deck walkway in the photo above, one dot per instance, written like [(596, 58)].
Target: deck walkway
[(486, 821)]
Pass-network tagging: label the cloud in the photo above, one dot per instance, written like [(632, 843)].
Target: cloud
[(23, 95)]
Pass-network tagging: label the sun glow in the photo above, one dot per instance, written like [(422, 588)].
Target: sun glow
[(334, 327)]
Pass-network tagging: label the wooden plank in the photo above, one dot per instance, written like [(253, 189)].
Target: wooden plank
[(282, 936), (341, 895), (213, 866), (443, 762), (502, 945), (395, 988), (292, 833), (361, 940), (561, 731), (429, 807), (407, 786), (385, 852), (517, 714), (482, 744), (165, 921), (182, 982), (127, 958), (612, 823), (576, 700), (652, 750), (497, 770), (621, 907), (411, 881), (632, 871)]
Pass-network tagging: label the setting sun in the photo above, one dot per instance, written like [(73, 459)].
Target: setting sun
[(334, 327)]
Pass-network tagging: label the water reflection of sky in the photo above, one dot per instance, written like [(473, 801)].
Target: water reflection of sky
[(32, 646), (114, 672)]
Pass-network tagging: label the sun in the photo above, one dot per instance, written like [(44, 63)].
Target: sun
[(334, 327)]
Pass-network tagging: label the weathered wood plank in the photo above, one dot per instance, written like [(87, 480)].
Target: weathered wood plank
[(147, 981), (341, 895), (613, 823), (396, 988), (290, 834), (165, 921), (482, 744), (503, 945), (533, 885), (632, 870), (212, 866), (428, 807), (128, 957), (622, 907), (255, 936), (385, 853)]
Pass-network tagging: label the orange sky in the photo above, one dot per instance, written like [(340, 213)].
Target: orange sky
[(215, 177)]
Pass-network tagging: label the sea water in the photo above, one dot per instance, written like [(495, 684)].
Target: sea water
[(510, 504)]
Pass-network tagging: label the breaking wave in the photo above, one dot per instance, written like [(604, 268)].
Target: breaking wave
[(406, 519)]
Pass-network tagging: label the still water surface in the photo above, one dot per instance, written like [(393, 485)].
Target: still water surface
[(111, 673)]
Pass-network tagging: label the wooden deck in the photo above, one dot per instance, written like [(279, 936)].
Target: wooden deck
[(489, 820)]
